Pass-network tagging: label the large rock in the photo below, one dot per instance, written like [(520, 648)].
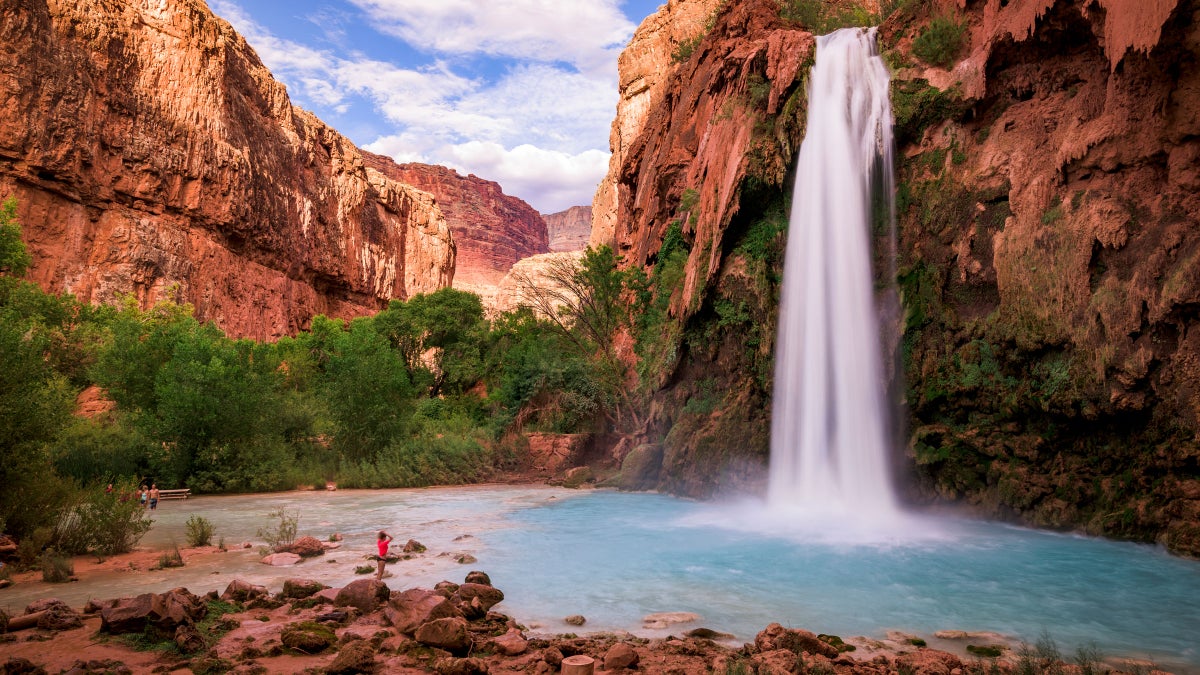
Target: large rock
[(619, 656), (187, 173), (281, 559), (57, 616), (460, 666), (477, 577), (305, 547), (357, 656), (928, 662), (408, 610), (363, 594), (164, 612), (301, 588), (775, 637), (450, 634), (488, 595), (512, 643), (243, 591), (307, 637)]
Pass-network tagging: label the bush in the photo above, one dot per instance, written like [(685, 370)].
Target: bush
[(172, 558), (284, 531), (940, 43), (104, 523), (56, 569), (199, 531)]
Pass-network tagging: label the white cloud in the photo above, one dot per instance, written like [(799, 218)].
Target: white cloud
[(540, 129), (588, 35), (549, 180)]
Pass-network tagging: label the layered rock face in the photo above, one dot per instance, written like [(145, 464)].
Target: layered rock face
[(643, 70), (492, 230), (152, 153), (569, 230), (1050, 265), (1049, 257), (531, 272)]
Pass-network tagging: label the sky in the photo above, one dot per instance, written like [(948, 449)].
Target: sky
[(521, 92)]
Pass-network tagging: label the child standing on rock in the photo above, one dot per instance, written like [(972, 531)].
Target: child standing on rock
[(383, 542)]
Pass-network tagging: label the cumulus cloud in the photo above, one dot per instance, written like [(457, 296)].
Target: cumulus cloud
[(588, 35), (549, 180), (540, 128)]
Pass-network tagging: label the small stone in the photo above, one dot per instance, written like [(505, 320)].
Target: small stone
[(620, 655), (575, 620)]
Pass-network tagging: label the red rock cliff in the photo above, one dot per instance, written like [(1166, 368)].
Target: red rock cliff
[(569, 230), (152, 153), (492, 230)]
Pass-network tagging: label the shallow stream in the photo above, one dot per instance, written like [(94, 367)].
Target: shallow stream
[(616, 557)]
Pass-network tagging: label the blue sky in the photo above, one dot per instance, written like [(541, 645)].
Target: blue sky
[(521, 92)]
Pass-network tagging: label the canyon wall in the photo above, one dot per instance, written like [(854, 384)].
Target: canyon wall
[(491, 229), (1049, 257), (153, 154), (569, 230)]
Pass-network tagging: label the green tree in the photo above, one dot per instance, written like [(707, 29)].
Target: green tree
[(440, 332), (364, 383), (14, 258)]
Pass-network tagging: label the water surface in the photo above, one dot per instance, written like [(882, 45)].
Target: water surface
[(616, 557)]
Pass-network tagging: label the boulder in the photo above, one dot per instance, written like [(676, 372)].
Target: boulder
[(667, 619), (126, 615), (307, 637), (305, 547), (164, 611), (928, 662), (408, 610), (473, 610), (797, 641), (511, 643), (301, 588), (280, 559), (552, 656), (357, 656), (575, 620), (43, 604), (620, 655), (364, 594), (577, 476), (242, 591), (414, 546), (449, 634), (19, 666), (446, 588), (488, 595), (456, 666), (188, 639), (477, 577), (466, 559), (59, 617)]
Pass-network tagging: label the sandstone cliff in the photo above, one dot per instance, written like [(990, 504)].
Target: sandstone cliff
[(1049, 257), (569, 230), (492, 230), (643, 70), (152, 153)]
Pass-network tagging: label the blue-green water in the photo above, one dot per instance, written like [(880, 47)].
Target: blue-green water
[(616, 557)]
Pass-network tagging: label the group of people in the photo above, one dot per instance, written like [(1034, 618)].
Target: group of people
[(146, 496)]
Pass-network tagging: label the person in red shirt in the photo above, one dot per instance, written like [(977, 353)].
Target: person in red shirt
[(383, 542)]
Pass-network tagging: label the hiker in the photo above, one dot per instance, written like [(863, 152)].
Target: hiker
[(153, 496), (382, 542)]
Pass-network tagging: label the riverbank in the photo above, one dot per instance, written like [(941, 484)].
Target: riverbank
[(452, 629)]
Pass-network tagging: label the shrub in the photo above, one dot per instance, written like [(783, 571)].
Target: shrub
[(172, 558), (199, 531), (940, 43), (56, 568), (284, 531)]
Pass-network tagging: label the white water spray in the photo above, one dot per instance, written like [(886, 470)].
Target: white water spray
[(830, 422)]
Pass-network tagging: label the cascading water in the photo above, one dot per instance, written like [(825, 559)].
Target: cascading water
[(830, 421)]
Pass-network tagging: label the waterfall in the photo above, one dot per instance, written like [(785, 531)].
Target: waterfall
[(831, 429)]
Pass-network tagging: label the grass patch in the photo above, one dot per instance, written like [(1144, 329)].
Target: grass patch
[(172, 558), (56, 569)]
